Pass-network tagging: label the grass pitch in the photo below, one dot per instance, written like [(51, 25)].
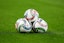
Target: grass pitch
[(51, 11)]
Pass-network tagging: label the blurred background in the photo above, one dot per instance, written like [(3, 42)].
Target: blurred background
[(52, 11)]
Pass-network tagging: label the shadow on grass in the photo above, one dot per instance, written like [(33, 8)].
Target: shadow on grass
[(15, 32), (48, 33)]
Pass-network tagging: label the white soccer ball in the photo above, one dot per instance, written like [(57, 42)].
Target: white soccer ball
[(31, 15), (22, 25), (40, 25)]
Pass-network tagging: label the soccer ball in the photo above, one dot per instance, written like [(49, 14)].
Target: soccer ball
[(22, 25), (40, 25), (31, 15)]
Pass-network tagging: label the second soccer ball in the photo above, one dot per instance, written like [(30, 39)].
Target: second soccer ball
[(40, 25), (22, 25)]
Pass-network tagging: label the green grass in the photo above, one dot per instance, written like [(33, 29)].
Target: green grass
[(51, 11)]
